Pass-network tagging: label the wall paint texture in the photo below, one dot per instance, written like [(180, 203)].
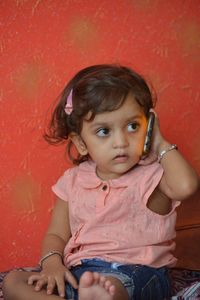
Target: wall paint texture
[(43, 43)]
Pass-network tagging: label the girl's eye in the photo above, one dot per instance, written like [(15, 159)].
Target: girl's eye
[(133, 127), (103, 132)]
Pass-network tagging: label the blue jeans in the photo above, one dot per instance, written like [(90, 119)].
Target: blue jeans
[(141, 282)]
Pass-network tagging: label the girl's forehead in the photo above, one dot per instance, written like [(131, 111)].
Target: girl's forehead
[(128, 110)]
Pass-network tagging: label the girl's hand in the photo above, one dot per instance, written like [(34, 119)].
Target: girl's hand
[(53, 277)]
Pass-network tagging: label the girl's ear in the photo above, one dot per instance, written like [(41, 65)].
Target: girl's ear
[(79, 143)]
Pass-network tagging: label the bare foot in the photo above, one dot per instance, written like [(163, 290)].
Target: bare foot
[(95, 286)]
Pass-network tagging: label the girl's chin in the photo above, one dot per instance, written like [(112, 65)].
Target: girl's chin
[(115, 172)]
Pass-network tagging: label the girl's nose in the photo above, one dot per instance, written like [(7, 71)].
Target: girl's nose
[(120, 140)]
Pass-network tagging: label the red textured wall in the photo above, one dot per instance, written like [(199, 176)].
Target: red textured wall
[(43, 43)]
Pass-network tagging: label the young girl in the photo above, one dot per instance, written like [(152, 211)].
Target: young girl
[(112, 228)]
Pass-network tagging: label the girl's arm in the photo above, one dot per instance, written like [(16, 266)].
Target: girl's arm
[(58, 232), (54, 273), (179, 180)]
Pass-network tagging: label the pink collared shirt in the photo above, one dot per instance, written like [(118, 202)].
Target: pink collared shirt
[(110, 220)]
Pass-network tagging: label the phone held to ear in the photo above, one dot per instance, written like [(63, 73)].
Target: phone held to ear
[(147, 142)]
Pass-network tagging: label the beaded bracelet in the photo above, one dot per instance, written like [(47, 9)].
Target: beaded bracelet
[(48, 255), (162, 153)]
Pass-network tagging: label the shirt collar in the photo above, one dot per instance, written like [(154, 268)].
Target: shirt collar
[(88, 178)]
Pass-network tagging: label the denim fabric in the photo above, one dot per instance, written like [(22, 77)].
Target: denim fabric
[(141, 282)]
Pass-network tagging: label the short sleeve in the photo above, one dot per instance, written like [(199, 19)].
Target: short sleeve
[(152, 175), (151, 179), (62, 187)]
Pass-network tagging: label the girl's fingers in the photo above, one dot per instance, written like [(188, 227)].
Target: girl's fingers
[(40, 283), (51, 283), (61, 287), (71, 279), (33, 278), (152, 110)]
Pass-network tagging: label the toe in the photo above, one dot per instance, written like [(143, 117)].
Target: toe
[(87, 279)]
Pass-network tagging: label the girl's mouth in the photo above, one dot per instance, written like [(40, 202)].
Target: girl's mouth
[(121, 158)]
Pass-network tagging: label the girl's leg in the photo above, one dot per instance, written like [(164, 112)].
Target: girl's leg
[(15, 287), (92, 286), (95, 286)]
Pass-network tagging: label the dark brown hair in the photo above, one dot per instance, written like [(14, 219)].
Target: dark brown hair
[(96, 89)]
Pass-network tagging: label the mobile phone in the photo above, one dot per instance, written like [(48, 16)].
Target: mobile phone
[(147, 142)]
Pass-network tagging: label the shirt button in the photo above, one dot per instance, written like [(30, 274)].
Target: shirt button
[(104, 188)]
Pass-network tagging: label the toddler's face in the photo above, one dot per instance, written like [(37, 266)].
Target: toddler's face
[(114, 140)]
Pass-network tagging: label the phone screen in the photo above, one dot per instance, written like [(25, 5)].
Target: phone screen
[(147, 142)]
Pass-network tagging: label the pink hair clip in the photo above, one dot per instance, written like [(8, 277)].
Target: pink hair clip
[(68, 106)]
